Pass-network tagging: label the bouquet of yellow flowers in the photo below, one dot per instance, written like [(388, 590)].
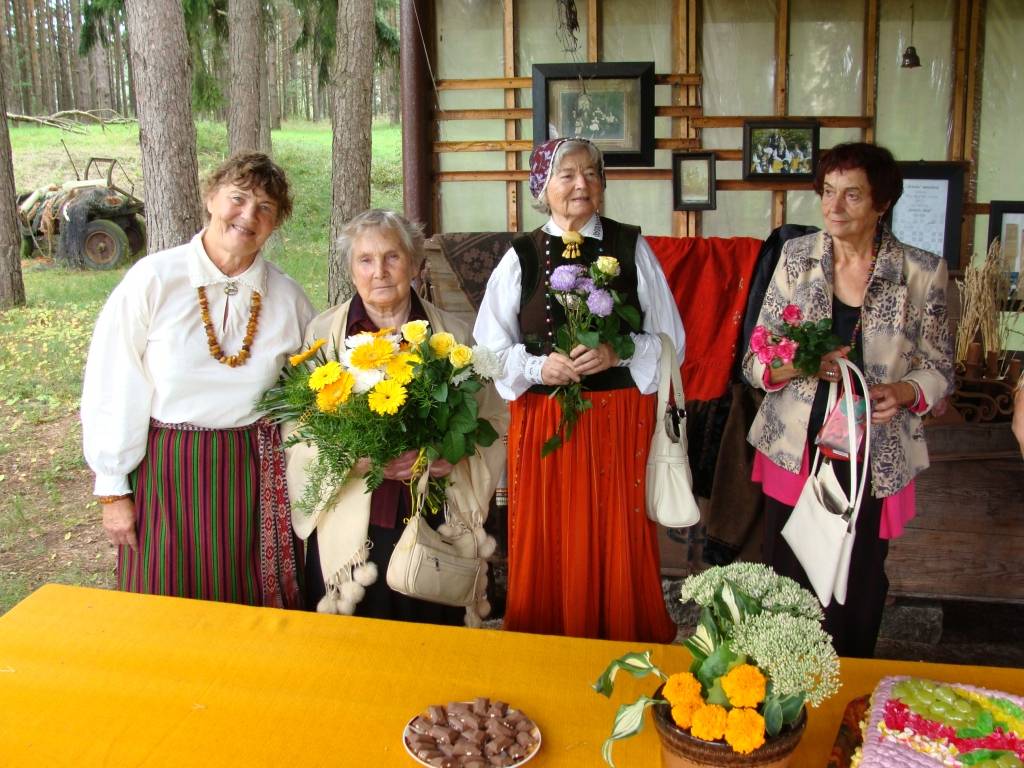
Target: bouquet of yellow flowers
[(759, 654), (379, 395)]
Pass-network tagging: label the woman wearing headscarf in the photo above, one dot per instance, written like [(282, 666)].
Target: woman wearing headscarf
[(583, 557), (183, 348)]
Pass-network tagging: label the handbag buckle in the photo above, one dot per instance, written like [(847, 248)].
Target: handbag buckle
[(672, 421)]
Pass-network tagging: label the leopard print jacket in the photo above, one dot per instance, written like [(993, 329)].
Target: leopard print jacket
[(905, 335)]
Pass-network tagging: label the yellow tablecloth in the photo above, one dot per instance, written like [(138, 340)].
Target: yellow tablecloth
[(96, 678)]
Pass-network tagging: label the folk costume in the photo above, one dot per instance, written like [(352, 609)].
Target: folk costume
[(349, 543), (165, 420), (583, 557), (900, 333)]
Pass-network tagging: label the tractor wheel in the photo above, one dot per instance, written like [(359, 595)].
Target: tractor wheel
[(135, 228), (105, 246)]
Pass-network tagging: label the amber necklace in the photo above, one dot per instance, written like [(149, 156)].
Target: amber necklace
[(216, 352)]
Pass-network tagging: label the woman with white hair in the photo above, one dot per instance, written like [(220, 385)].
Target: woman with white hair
[(349, 544), (583, 557)]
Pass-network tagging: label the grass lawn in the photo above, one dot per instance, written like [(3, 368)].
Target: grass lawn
[(49, 523)]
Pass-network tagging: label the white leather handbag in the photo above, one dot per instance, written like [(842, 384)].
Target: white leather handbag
[(669, 490), (822, 527)]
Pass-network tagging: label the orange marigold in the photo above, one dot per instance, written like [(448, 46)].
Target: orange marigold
[(682, 688), (744, 685), (682, 714), (744, 730), (709, 722)]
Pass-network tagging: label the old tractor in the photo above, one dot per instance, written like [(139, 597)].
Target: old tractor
[(87, 223)]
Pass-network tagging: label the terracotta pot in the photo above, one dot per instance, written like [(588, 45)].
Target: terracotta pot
[(681, 750)]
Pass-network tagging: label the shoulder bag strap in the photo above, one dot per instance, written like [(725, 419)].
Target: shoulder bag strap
[(849, 371)]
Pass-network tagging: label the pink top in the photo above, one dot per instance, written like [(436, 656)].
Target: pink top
[(785, 486)]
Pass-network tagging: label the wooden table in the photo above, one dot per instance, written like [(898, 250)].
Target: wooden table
[(96, 678)]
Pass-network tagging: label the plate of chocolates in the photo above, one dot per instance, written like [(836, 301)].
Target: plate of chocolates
[(471, 734)]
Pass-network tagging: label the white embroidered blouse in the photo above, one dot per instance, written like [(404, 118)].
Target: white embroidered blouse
[(149, 356)]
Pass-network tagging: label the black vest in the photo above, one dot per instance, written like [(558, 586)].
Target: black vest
[(538, 249)]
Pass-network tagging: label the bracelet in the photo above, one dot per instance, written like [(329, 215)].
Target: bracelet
[(112, 499)]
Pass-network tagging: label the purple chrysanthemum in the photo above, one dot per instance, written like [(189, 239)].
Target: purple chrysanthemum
[(564, 277), (599, 302), (585, 285)]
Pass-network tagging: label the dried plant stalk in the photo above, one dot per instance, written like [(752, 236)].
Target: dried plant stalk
[(984, 292)]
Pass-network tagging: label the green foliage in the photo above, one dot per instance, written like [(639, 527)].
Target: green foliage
[(636, 664), (814, 340)]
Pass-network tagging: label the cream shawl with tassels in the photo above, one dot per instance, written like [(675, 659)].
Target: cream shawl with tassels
[(342, 526)]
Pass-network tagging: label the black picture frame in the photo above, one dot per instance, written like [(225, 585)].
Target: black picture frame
[(780, 149), (932, 202), (1001, 214), (693, 181), (618, 102)]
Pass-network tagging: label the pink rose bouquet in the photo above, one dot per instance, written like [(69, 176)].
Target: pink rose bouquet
[(799, 342)]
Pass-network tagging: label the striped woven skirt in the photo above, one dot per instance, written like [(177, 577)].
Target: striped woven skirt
[(197, 502)]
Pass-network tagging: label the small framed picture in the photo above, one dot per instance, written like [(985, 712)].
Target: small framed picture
[(774, 149), (1006, 221), (693, 181), (929, 213), (610, 103)]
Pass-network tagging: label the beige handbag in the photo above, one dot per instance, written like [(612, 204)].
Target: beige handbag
[(669, 490), (430, 566), (822, 527)]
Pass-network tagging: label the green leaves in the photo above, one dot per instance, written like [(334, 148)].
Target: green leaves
[(629, 721), (982, 727), (636, 664), (978, 756)]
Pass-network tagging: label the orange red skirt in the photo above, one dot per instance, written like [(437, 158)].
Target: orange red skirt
[(583, 557)]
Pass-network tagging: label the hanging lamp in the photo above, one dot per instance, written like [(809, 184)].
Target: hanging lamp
[(910, 57)]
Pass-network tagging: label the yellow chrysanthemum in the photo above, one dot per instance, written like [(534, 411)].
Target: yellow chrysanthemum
[(375, 354), (442, 343), (744, 730), (386, 397), (401, 366), (336, 393), (708, 722), (744, 685), (325, 374), (682, 688), (682, 714), (302, 357), (383, 332), (460, 356), (608, 265), (415, 331)]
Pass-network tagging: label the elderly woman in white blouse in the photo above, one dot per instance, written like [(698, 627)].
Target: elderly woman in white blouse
[(183, 348)]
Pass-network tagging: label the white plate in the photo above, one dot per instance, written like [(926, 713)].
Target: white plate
[(535, 733)]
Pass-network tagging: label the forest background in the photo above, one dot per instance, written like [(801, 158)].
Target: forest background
[(49, 522)]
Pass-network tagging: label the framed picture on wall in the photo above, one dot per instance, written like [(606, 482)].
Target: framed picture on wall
[(693, 181), (1006, 221), (780, 149), (929, 213), (610, 103)]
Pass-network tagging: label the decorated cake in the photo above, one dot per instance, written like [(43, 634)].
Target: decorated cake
[(915, 723)]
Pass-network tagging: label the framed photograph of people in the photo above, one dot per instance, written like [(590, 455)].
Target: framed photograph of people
[(612, 104), (780, 149), (1006, 221), (693, 181), (929, 213)]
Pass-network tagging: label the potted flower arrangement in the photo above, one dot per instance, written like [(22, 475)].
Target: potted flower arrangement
[(759, 656)]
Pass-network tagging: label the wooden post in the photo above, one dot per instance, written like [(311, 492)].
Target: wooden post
[(870, 96), (684, 60), (512, 209), (961, 33), (416, 91), (593, 31), (972, 121), (781, 95)]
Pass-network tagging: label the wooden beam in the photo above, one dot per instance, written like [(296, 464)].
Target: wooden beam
[(977, 209), (613, 174), (679, 111), (961, 35), (484, 83), (679, 78), (516, 113), (737, 121), (416, 98), (870, 93), (511, 124), (483, 146), (770, 185), (781, 95), (677, 143), (972, 123), (593, 31)]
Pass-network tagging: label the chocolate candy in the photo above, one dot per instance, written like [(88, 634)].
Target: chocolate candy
[(477, 734)]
